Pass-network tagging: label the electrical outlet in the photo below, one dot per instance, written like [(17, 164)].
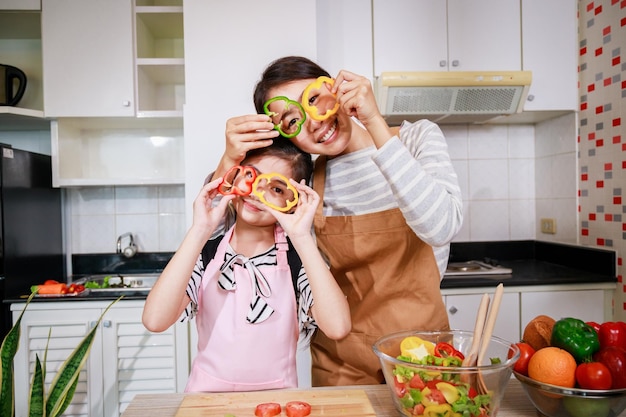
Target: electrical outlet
[(548, 226)]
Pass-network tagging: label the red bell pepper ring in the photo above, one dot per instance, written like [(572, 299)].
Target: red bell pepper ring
[(238, 181), (446, 350)]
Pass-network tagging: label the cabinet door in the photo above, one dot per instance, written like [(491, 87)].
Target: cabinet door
[(66, 331), (462, 310), (87, 48), (409, 35), (553, 63), (587, 305), (134, 360), (484, 35)]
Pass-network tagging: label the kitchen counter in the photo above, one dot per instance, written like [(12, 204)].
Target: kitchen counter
[(534, 263), (514, 404)]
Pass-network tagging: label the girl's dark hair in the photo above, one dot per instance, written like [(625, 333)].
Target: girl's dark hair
[(301, 162), (281, 71)]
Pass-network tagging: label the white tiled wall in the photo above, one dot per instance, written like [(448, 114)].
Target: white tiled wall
[(495, 165), (155, 215)]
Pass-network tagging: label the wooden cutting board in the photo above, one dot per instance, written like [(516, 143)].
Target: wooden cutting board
[(242, 404)]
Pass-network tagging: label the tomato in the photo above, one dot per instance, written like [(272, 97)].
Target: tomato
[(613, 358), (400, 387), (267, 410), (593, 375), (436, 396), (297, 409), (50, 282), (525, 352), (417, 382)]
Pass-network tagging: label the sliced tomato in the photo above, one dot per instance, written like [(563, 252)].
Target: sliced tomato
[(417, 382), (437, 396), (297, 409), (400, 387), (267, 410)]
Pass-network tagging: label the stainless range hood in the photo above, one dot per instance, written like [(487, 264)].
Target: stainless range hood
[(451, 96)]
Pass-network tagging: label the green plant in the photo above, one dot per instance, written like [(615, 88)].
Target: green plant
[(61, 390)]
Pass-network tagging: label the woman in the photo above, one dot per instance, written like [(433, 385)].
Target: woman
[(391, 206)]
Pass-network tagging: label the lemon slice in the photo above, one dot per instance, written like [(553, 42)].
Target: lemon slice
[(416, 348)]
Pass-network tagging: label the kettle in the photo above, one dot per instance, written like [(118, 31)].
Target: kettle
[(10, 91)]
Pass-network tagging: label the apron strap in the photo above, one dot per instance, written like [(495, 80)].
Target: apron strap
[(319, 180)]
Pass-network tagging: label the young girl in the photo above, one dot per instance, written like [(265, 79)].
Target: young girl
[(391, 206), (244, 302)]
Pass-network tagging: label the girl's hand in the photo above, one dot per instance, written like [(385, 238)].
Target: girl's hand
[(355, 96), (299, 222), (244, 133), (206, 217)]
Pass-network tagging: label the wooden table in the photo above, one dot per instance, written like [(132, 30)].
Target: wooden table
[(515, 403)]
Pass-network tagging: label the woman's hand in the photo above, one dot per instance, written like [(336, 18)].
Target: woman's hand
[(298, 223), (356, 98), (244, 133), (207, 218)]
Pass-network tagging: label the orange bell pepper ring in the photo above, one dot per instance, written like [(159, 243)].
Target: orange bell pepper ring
[(315, 87)]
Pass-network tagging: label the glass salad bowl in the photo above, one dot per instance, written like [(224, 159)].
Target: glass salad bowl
[(439, 384)]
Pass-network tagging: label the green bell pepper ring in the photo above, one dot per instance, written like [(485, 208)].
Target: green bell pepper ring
[(576, 337), (292, 116)]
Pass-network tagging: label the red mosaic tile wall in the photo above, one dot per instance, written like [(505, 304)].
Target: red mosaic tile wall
[(602, 131)]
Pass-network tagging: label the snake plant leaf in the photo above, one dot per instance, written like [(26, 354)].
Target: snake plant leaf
[(8, 350), (36, 405), (64, 384)]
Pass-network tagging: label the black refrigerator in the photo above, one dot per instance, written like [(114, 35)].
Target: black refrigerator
[(31, 226)]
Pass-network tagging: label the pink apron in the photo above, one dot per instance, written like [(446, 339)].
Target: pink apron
[(234, 354)]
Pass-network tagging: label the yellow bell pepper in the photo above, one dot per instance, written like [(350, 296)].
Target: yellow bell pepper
[(312, 110)]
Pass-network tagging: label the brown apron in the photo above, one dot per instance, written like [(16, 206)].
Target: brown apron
[(391, 280)]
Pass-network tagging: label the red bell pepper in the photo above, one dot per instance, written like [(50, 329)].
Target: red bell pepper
[(613, 333), (446, 350), (595, 325)]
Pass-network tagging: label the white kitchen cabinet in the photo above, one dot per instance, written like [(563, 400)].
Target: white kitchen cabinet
[(125, 358), (20, 46), (160, 63), (587, 305), (126, 151), (549, 50), (462, 310), (87, 58), (20, 5), (455, 35)]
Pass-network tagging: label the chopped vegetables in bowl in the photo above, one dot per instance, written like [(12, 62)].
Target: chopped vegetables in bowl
[(424, 373)]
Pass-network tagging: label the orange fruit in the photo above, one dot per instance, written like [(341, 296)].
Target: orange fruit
[(553, 365)]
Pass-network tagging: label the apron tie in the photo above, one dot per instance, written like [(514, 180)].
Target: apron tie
[(259, 310)]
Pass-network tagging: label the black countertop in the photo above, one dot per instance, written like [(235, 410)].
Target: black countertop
[(533, 263)]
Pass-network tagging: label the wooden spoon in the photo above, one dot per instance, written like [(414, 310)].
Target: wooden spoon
[(481, 318), (486, 336)]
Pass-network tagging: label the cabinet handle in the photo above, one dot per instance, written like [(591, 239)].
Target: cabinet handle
[(126, 103), (452, 310), (105, 323), (443, 63), (455, 63), (530, 97)]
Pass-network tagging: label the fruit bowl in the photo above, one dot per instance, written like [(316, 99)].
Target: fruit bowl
[(459, 385), (554, 401)]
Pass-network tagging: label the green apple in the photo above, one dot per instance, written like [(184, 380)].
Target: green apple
[(587, 407)]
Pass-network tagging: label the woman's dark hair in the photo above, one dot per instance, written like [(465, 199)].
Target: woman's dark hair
[(301, 162), (284, 70)]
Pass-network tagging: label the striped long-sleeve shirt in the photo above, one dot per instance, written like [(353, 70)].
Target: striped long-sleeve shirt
[(412, 172)]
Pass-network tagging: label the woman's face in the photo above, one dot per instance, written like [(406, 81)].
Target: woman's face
[(249, 208), (327, 137)]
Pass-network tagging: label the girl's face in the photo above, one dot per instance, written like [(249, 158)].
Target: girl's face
[(327, 137), (248, 208)]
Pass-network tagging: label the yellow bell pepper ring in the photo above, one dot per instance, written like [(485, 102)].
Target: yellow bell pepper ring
[(283, 200), (312, 110)]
